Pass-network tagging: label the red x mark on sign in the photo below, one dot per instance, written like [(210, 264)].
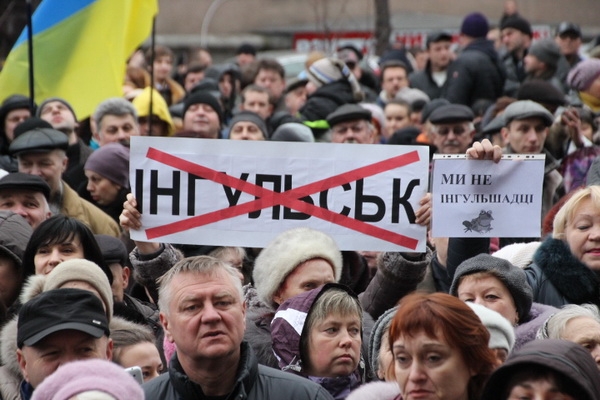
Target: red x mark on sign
[(291, 198)]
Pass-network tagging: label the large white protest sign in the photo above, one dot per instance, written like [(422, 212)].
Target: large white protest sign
[(480, 198), (243, 193)]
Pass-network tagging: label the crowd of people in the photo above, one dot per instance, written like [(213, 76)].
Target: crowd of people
[(86, 310)]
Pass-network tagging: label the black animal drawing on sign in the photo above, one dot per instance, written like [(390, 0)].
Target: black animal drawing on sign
[(481, 224)]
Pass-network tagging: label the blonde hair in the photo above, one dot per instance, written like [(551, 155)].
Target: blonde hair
[(567, 211)]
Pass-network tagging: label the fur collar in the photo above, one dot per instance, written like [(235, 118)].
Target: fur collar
[(573, 279)]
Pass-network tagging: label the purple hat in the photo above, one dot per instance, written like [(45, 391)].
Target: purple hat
[(84, 376), (112, 162), (584, 74), (475, 25)]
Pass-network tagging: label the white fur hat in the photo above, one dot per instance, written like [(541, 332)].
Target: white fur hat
[(502, 334), (286, 252)]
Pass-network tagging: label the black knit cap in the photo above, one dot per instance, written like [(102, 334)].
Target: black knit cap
[(512, 277), (14, 102), (203, 97), (518, 23), (542, 92)]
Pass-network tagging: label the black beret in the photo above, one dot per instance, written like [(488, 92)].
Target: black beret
[(348, 112), (19, 180), (39, 140), (451, 113)]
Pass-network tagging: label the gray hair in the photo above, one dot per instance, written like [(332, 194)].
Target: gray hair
[(200, 265), (555, 325), (114, 106)]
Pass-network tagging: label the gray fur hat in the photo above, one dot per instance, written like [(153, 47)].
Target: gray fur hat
[(381, 326), (289, 249), (512, 277)]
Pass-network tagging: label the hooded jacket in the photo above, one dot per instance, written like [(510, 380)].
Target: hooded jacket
[(159, 108), (289, 327), (476, 74), (567, 359), (254, 382)]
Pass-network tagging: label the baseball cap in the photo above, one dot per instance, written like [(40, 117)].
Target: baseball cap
[(568, 27), (61, 309)]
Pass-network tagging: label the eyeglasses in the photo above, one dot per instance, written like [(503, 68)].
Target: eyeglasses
[(445, 130)]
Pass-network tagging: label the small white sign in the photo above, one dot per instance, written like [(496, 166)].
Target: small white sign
[(480, 198)]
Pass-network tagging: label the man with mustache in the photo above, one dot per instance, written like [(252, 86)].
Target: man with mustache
[(452, 128)]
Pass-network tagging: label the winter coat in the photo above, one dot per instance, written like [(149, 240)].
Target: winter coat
[(254, 382), (76, 207), (149, 267), (526, 331), (77, 155), (557, 277), (375, 391), (476, 74), (397, 275), (515, 74), (323, 102), (423, 80), (567, 359)]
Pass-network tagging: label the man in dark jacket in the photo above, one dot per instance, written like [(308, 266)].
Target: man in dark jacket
[(477, 72), (433, 79), (202, 312), (516, 37)]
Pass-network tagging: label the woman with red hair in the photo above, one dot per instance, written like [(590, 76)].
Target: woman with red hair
[(440, 349)]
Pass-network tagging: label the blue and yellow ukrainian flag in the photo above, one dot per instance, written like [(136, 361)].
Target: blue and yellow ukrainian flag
[(80, 48)]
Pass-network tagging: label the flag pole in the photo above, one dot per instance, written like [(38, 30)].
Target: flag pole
[(30, 57), (152, 44)]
